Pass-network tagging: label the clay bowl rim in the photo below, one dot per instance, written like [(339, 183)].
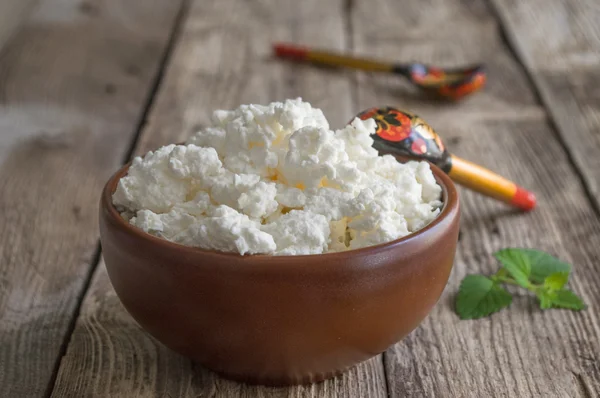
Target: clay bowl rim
[(450, 205)]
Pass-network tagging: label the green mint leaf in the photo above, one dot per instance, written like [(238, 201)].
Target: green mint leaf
[(517, 263), (479, 296), (562, 298), (556, 280), (543, 264), (546, 297), (565, 298)]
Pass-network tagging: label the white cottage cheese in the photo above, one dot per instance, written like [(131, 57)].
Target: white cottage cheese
[(275, 179)]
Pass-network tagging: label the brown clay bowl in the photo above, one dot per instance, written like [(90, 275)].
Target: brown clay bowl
[(279, 320)]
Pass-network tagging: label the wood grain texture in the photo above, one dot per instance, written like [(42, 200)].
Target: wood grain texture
[(72, 86), (522, 351), (12, 15), (222, 60), (561, 49)]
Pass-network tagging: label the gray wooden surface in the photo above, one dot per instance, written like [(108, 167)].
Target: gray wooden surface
[(79, 84), (73, 84), (523, 351), (12, 15)]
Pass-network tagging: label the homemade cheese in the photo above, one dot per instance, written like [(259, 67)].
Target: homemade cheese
[(276, 180)]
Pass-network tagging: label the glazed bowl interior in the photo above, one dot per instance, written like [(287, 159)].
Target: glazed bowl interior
[(279, 320)]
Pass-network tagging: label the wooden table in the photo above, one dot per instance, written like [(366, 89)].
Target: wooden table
[(86, 84)]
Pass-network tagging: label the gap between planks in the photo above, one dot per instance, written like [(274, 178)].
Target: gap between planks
[(96, 258), (158, 79), (510, 42)]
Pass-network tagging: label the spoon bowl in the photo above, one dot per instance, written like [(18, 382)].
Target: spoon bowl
[(452, 83)]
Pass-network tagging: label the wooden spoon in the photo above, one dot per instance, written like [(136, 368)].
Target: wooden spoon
[(407, 134), (450, 83)]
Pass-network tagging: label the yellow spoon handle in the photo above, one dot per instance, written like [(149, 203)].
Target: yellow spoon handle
[(490, 184)]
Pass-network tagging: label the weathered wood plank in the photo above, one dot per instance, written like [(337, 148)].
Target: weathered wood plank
[(560, 47), (72, 85), (222, 60), (522, 351)]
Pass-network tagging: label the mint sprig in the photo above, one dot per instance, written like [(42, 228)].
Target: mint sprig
[(534, 270)]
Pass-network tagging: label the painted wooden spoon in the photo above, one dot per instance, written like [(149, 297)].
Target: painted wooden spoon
[(450, 83), (407, 134)]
